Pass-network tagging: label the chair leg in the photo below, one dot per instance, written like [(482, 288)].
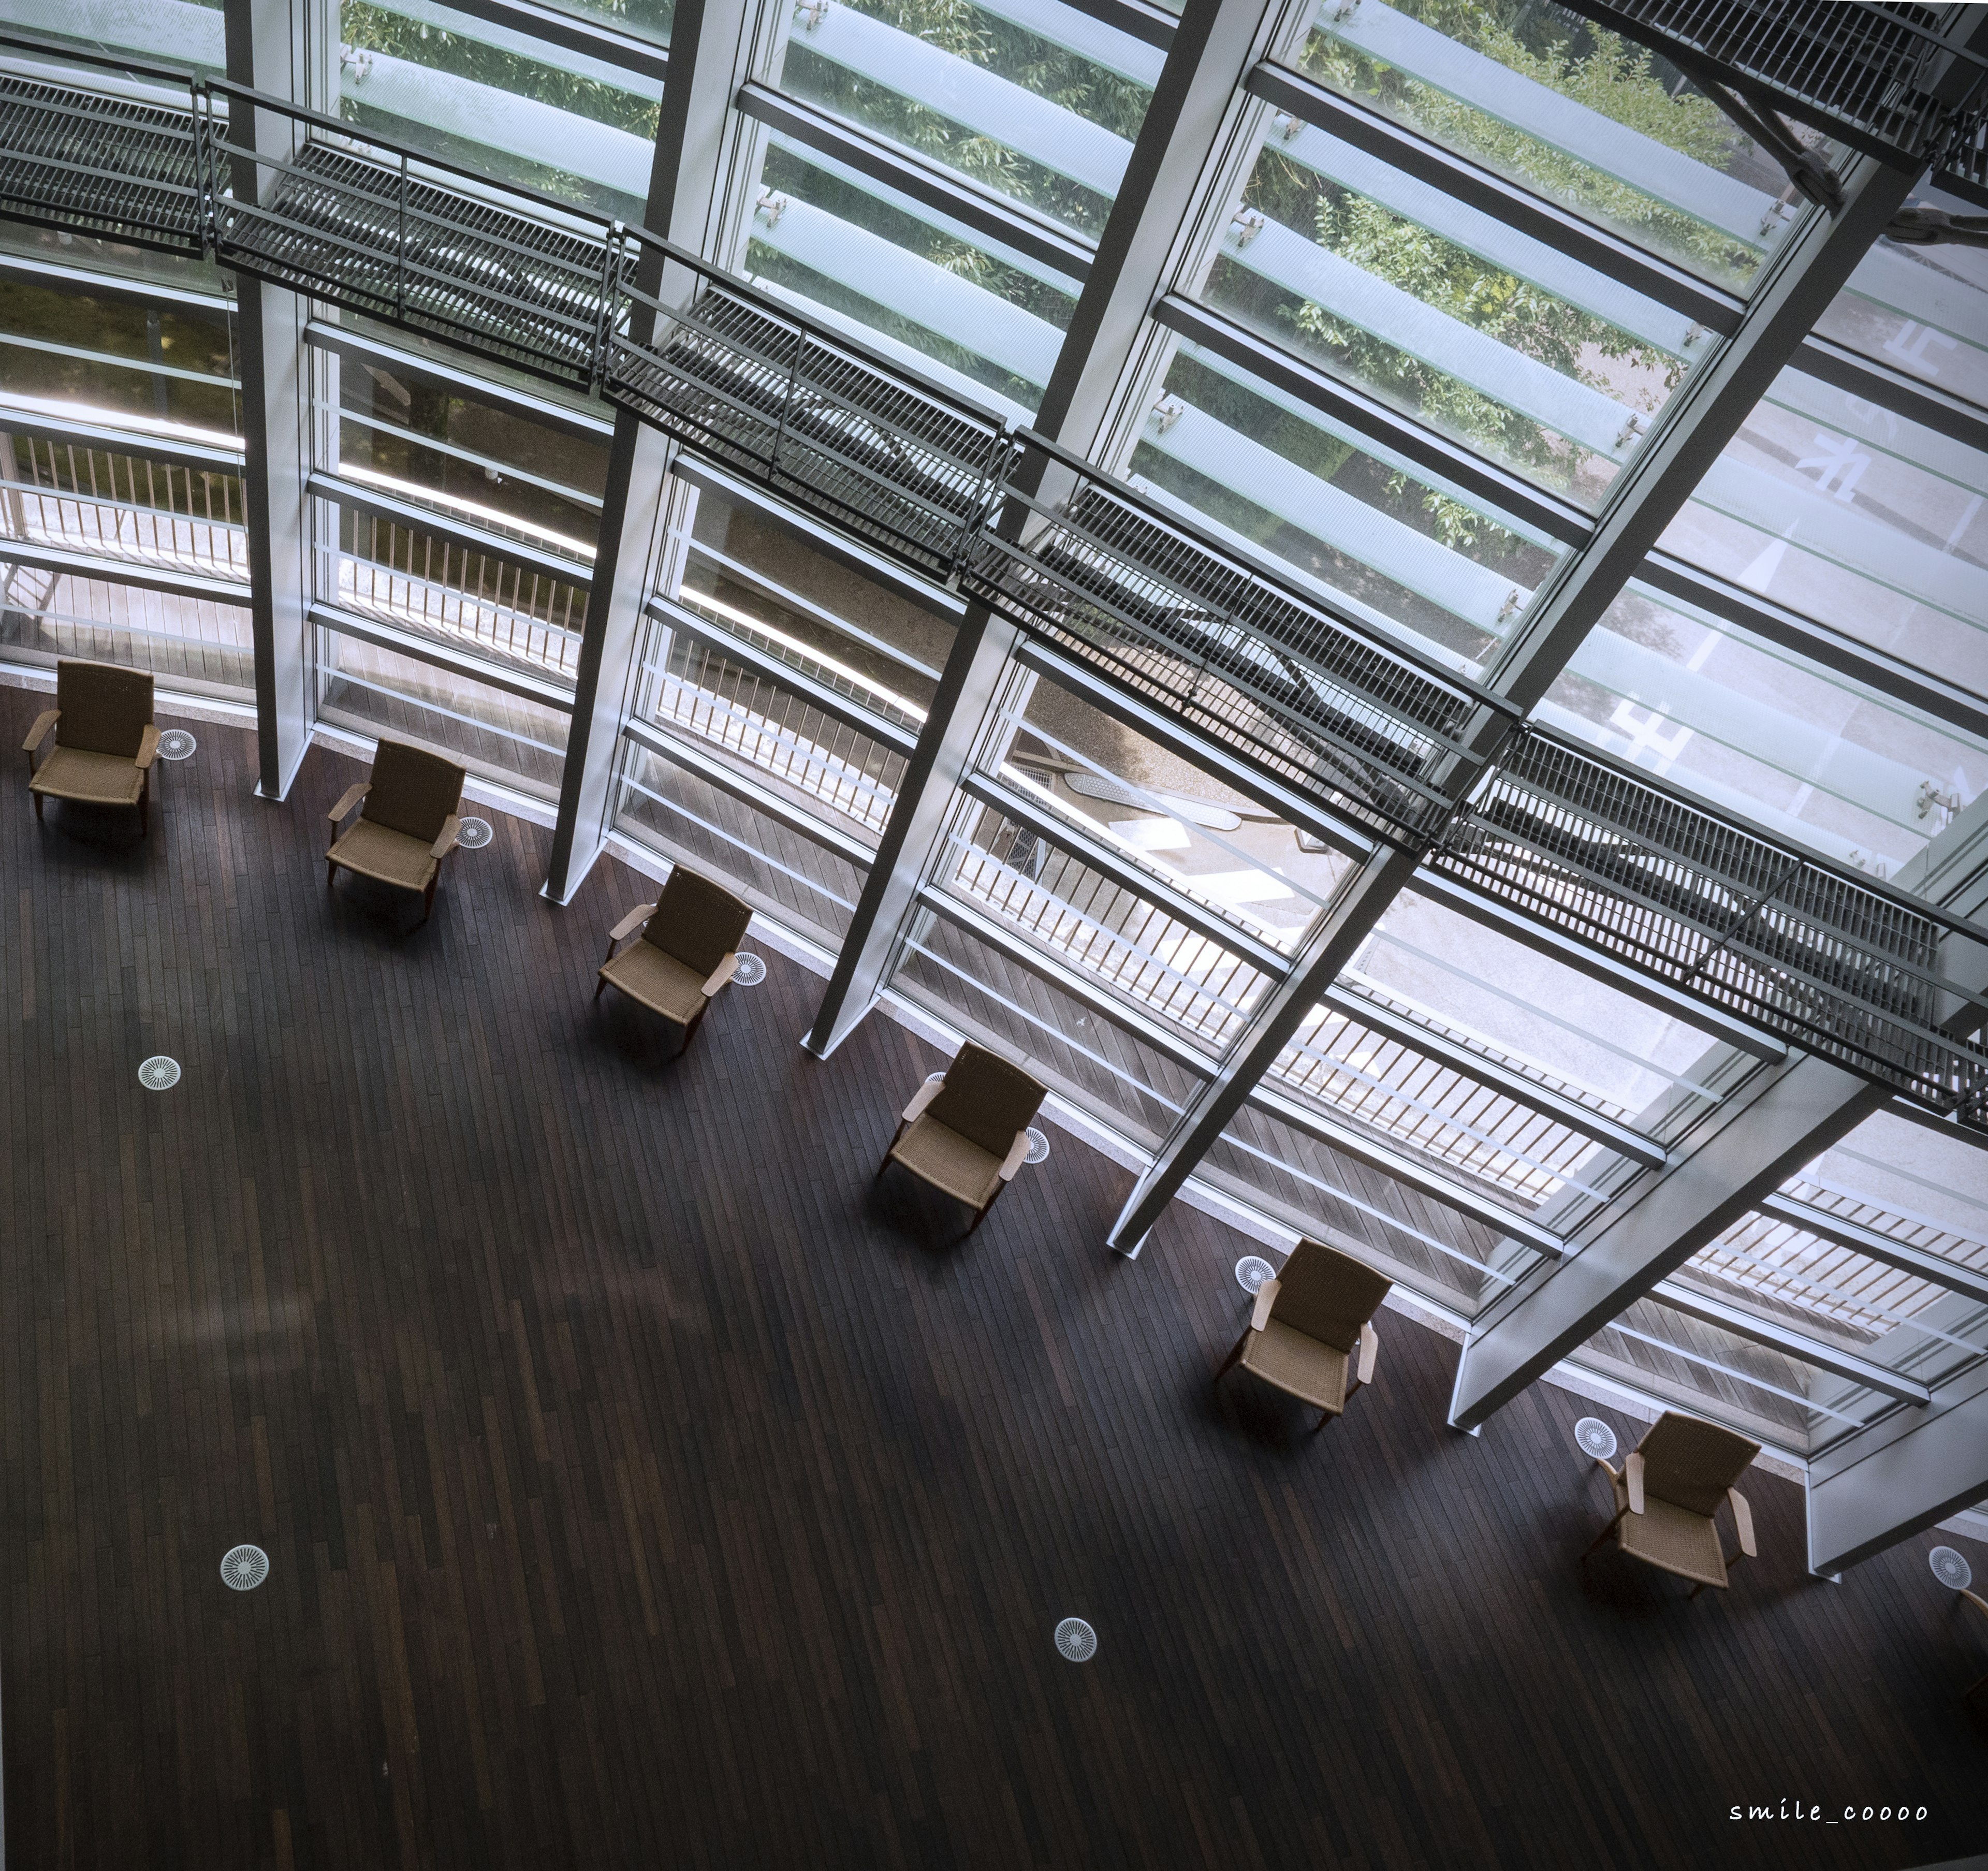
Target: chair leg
[(980, 1213), (1599, 1538), (39, 802), (690, 1031), (1228, 1363), (1325, 1416), (331, 871), (145, 806), (428, 898), (600, 986), (886, 1163)]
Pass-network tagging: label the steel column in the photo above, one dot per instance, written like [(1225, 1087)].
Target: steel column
[(267, 48), (691, 181)]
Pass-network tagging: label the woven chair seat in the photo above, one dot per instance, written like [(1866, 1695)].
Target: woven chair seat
[(949, 1162), (659, 981), (91, 779), (378, 851), (1673, 1539), (1299, 1364)]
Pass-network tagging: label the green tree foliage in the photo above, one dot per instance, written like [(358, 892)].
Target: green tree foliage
[(1049, 72), (1615, 78)]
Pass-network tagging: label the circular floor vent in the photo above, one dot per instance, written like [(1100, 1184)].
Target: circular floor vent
[(751, 971), (1950, 1568), (244, 1568), (1039, 1146), (176, 744), (159, 1073), (1077, 1640), (473, 833), (1251, 1272), (1595, 1437)]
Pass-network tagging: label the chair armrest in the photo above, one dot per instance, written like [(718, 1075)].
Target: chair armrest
[(1369, 1349), (721, 973), (354, 793), (1742, 1518), (925, 1094), (445, 839), (1266, 1296), (1975, 1598), (1012, 1161), (1633, 1468), (42, 723), (632, 922), (148, 745)]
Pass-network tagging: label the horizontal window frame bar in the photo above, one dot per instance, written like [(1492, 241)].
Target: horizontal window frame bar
[(1371, 1148), (999, 218), (147, 291), (344, 493), (677, 616), (1789, 1342), (1316, 387), (455, 452), (1623, 1139), (1065, 980), (1153, 25), (592, 38), (1889, 675), (1843, 369), (991, 792), (1580, 240), (544, 692), (238, 595), (362, 348), (700, 764), (134, 442), (1970, 1283)]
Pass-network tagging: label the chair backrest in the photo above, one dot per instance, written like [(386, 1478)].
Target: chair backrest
[(104, 709), (696, 920), (1327, 1295), (1691, 1464), (413, 790), (986, 1100)]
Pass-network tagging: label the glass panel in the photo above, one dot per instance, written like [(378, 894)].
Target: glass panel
[(1029, 97), (1085, 921), (1575, 111), (1922, 310), (673, 811), (1762, 1393), (1759, 731), (200, 645), (1071, 1045), (105, 355), (1445, 1256), (1398, 548), (1344, 1066), (476, 459), (759, 580), (111, 505), (505, 612), (1854, 516), (911, 281), (517, 109), (1541, 363), (1124, 794), (179, 32), (376, 692), (649, 19), (1620, 1056), (1901, 1179)]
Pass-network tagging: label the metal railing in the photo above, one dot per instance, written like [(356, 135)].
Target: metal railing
[(1878, 78), (1309, 696)]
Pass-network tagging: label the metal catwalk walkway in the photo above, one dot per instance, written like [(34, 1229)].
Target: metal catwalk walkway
[(1381, 739)]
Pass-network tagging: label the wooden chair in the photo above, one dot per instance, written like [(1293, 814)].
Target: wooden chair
[(1667, 1493), (1311, 1333), (1981, 1682), (407, 821), (967, 1133), (105, 741), (688, 950)]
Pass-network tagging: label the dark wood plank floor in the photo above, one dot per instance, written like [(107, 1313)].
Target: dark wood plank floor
[(643, 1488)]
